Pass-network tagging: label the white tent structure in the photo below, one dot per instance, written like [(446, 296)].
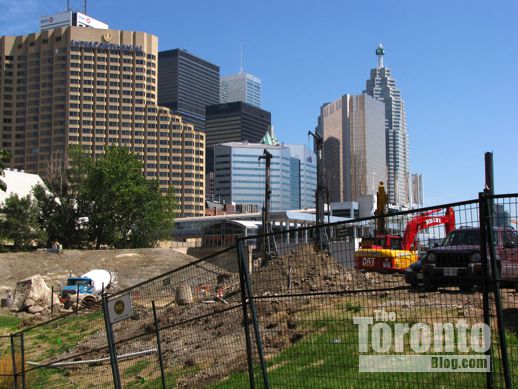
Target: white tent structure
[(18, 182)]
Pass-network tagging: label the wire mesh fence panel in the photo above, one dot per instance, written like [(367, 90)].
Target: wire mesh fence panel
[(199, 319), (88, 370), (389, 302), (69, 349), (504, 220), (10, 362), (402, 300), (6, 359)]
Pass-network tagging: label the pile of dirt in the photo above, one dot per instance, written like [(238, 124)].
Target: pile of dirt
[(307, 269), (132, 266)]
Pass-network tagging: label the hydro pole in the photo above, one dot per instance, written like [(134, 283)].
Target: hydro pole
[(268, 248), (320, 192)]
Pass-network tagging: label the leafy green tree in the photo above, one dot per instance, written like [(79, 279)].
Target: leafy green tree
[(5, 156), (20, 221), (123, 208)]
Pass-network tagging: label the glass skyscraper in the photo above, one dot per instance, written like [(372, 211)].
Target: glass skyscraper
[(241, 87), (382, 87), (187, 84), (308, 174), (353, 128), (239, 175)]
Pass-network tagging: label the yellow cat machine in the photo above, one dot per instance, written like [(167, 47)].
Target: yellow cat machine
[(394, 253)]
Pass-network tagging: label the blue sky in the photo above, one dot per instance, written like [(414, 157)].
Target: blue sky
[(454, 61)]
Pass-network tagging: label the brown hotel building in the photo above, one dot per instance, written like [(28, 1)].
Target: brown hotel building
[(95, 88)]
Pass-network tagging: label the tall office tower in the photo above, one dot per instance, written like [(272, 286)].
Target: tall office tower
[(234, 122), (95, 88), (240, 176), (416, 184), (382, 86), (187, 84), (241, 87), (308, 174), (353, 128)]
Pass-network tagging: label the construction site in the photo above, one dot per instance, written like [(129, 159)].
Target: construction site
[(270, 311)]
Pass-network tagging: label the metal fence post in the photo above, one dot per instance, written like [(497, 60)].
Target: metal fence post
[(22, 357), (111, 345), (255, 322), (495, 278), (485, 286), (246, 328), (77, 300), (13, 356), (160, 356), (52, 300)]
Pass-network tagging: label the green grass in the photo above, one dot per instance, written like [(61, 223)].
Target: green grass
[(171, 378), (136, 368), (46, 378), (327, 357), (65, 336), (8, 323)]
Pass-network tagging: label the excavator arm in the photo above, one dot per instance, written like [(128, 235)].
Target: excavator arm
[(427, 220)]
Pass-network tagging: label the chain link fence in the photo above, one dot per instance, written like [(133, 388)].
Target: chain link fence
[(402, 300)]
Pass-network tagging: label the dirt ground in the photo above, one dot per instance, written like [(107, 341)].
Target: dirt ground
[(291, 293), (131, 266)]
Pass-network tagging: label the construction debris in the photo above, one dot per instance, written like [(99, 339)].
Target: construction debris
[(32, 295)]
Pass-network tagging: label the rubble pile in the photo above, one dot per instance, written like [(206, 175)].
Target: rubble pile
[(32, 295)]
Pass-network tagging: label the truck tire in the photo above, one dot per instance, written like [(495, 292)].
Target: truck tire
[(89, 301)]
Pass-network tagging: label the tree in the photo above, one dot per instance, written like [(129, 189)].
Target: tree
[(58, 203), (20, 221), (123, 208), (5, 156)]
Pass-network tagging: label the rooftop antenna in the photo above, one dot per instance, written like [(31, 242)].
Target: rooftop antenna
[(68, 5), (380, 51), (85, 7), (241, 63)]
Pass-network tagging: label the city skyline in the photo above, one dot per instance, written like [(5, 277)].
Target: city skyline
[(446, 64), (93, 88)]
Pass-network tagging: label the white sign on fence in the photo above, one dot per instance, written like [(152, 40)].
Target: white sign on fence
[(120, 308)]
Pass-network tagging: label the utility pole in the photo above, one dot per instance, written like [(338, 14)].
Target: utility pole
[(320, 237), (269, 248)]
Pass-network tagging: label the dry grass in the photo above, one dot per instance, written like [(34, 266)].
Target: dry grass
[(6, 371)]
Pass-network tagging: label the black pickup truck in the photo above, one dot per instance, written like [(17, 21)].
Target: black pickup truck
[(457, 262)]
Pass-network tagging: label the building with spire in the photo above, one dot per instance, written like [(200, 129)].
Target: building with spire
[(241, 87), (382, 87)]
